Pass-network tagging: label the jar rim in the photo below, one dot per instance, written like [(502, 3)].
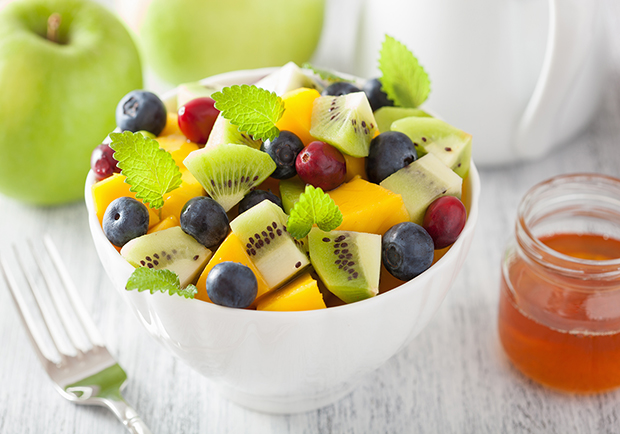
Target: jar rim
[(536, 249)]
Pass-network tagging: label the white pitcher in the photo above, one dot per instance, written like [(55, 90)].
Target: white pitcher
[(520, 75)]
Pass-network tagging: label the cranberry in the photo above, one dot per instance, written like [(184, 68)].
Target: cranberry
[(196, 119), (444, 220), (321, 165), (102, 162)]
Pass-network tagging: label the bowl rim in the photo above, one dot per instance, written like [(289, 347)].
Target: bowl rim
[(243, 75)]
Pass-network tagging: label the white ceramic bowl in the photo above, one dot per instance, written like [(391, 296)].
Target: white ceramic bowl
[(287, 362)]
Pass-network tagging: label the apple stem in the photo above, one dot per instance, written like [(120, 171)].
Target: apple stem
[(53, 24)]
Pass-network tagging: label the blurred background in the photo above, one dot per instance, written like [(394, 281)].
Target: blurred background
[(322, 32), (522, 77)]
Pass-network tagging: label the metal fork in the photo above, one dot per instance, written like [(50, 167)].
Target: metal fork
[(83, 371)]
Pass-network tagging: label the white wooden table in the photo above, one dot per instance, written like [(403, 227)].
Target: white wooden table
[(454, 378)]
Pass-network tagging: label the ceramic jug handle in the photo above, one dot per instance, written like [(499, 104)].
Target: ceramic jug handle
[(571, 34)]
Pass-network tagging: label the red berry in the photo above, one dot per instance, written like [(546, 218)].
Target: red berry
[(196, 119), (102, 162), (321, 165), (444, 220)]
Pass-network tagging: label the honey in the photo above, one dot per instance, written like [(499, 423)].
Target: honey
[(559, 309), (563, 340)]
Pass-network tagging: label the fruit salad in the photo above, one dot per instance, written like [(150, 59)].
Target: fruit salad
[(303, 191)]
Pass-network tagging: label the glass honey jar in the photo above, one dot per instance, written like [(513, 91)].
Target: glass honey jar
[(559, 309)]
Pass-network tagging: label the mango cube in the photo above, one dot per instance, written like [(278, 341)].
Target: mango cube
[(368, 207), (300, 294)]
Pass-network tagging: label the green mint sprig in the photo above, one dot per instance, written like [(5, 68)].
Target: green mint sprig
[(313, 207), (150, 279), (404, 80), (325, 74), (151, 172), (252, 109)]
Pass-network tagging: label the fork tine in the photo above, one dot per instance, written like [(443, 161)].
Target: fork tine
[(89, 326), (49, 318), (70, 326), (24, 312)]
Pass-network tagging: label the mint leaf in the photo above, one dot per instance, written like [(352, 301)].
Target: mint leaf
[(151, 172), (252, 109), (325, 74), (150, 279), (313, 207), (404, 81)]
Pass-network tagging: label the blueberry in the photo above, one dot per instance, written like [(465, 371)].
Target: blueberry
[(125, 219), (257, 196), (376, 97), (283, 151), (340, 88), (389, 152), (232, 284), (407, 250), (141, 110), (205, 220)]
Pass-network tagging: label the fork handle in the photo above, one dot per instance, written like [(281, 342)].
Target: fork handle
[(137, 426), (126, 414)]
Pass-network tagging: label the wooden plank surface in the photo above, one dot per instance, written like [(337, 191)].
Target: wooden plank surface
[(454, 378)]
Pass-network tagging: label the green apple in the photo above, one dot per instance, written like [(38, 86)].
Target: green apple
[(186, 40), (60, 82)]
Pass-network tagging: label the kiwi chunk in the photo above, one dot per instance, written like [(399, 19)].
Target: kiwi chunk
[(421, 182), (224, 132), (262, 230), (170, 249), (348, 263), (288, 77), (385, 116), (303, 245), (345, 122), (429, 135), (290, 190), (229, 172)]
